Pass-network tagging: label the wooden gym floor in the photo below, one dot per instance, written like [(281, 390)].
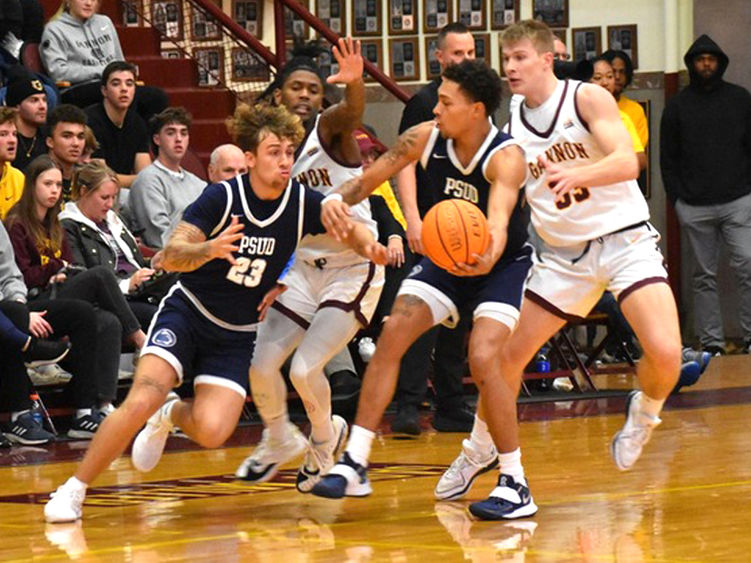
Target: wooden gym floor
[(686, 500)]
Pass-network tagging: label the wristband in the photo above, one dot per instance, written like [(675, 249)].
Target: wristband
[(331, 197)]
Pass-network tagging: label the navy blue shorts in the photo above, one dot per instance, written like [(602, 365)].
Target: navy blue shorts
[(497, 295), (198, 348)]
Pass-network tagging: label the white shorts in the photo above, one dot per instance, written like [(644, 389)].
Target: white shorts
[(569, 281), (355, 288)]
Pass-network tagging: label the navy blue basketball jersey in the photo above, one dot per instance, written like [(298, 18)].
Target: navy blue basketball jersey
[(450, 180), (228, 294)]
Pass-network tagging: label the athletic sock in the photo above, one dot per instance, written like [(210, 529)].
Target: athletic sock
[(76, 484), (511, 464), (278, 427), (480, 437), (650, 406), (358, 446)]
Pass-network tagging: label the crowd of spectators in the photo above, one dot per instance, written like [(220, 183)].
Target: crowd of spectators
[(92, 182)]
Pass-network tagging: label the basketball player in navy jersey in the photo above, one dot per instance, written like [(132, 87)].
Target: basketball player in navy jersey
[(231, 245), (593, 221), (332, 292), (464, 156)]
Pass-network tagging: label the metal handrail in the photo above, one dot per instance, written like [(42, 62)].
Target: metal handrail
[(332, 37)]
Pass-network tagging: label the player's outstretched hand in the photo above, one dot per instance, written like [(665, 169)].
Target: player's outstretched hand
[(349, 58), (560, 180), (224, 245), (376, 253), (269, 299), (335, 216), (482, 264)]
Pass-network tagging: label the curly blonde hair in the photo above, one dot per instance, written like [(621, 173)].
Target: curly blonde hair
[(252, 124)]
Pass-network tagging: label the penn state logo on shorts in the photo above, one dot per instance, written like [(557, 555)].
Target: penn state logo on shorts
[(416, 270), (165, 338)]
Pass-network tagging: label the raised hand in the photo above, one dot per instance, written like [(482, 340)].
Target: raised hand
[(349, 58)]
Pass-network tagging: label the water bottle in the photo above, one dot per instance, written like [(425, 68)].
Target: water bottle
[(36, 409), (542, 364), (366, 347)]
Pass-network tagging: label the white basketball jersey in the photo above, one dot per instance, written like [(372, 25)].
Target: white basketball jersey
[(318, 170), (555, 130)]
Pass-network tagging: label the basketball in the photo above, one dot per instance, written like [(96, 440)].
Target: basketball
[(452, 231)]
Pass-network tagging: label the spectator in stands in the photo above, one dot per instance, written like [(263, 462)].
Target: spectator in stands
[(623, 73), (44, 258), (455, 44), (34, 351), (44, 318), (90, 145), (98, 237), (121, 133), (66, 137), (604, 76), (27, 95), (76, 48), (20, 21), (11, 179), (705, 154), (226, 162), (164, 189)]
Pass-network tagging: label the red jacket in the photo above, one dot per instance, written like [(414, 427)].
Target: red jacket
[(37, 265)]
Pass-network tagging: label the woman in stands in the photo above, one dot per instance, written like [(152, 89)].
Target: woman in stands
[(77, 45), (44, 257), (98, 237)]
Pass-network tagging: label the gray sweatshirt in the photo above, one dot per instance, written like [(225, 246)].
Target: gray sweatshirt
[(12, 286), (158, 198), (77, 51)]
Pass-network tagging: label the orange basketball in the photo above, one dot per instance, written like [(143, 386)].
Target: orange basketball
[(452, 231)]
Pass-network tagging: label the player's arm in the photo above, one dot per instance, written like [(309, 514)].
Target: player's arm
[(599, 110), (188, 249), (362, 241), (406, 182), (506, 172), (345, 116), (408, 148)]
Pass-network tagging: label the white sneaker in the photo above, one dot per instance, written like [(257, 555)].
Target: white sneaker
[(149, 444), (64, 504), (628, 442), (462, 472), (321, 457), (264, 462)]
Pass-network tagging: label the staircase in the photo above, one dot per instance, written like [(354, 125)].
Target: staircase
[(210, 106)]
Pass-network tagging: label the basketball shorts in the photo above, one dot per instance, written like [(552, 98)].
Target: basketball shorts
[(355, 288), (569, 281), (497, 295), (196, 347)]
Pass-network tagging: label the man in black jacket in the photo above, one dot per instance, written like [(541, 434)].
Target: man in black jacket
[(705, 148)]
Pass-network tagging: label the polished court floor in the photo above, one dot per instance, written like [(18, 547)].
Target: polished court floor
[(688, 498)]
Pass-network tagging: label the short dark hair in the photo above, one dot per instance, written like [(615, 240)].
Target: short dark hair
[(453, 27), (612, 54), (165, 117), (64, 113), (118, 66), (7, 114), (476, 79)]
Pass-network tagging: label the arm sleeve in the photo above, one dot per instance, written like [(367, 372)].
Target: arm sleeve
[(12, 286), (207, 211), (670, 149), (388, 226), (34, 275), (312, 223), (72, 233)]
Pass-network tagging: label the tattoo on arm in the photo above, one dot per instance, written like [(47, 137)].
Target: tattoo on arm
[(404, 144), (187, 249), (352, 191)]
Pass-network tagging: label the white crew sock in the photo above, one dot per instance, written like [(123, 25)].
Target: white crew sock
[(358, 446), (511, 464), (480, 437)]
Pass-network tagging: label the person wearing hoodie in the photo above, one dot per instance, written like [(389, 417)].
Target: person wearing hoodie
[(77, 46), (705, 156)]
